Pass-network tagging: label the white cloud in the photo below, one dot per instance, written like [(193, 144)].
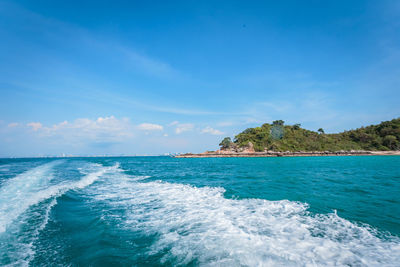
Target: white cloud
[(35, 125), (185, 127), (13, 124), (212, 131), (150, 127), (173, 123), (102, 129)]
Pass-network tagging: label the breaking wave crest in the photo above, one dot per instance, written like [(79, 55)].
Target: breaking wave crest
[(200, 226)]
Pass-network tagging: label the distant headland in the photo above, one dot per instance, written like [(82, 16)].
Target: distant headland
[(278, 139)]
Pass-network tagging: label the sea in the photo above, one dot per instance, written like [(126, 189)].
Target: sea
[(165, 211)]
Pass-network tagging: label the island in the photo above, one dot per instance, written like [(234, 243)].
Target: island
[(280, 140)]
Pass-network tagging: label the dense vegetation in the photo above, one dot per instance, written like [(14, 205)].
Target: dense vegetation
[(280, 137)]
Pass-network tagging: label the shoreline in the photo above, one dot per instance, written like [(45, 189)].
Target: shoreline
[(223, 154)]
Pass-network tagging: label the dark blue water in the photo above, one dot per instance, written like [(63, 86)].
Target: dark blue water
[(151, 211)]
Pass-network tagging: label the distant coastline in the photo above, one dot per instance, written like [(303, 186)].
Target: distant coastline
[(223, 154), (280, 140)]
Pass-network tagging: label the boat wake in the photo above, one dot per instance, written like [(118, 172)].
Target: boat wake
[(185, 225), (200, 226), (25, 205)]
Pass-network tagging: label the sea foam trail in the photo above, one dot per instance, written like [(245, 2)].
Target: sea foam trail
[(27, 199), (200, 226), (17, 244), (20, 192), (32, 187)]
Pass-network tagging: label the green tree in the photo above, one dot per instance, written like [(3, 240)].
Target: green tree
[(297, 126), (226, 143), (278, 122), (279, 137), (390, 141)]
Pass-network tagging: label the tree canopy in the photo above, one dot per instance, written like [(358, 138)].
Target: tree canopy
[(384, 136), (226, 143)]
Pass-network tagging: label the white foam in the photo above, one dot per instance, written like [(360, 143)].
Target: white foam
[(91, 177), (20, 245), (20, 192), (27, 191), (141, 177), (32, 187), (199, 225)]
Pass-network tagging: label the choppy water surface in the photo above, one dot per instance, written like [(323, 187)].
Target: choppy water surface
[(151, 211)]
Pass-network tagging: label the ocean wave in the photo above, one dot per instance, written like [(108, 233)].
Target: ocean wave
[(199, 225)]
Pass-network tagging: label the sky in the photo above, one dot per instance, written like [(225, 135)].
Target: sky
[(154, 77)]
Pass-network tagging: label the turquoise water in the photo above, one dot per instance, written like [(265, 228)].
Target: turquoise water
[(151, 211)]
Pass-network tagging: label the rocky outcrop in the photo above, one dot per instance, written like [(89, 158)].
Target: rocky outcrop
[(233, 148), (249, 148)]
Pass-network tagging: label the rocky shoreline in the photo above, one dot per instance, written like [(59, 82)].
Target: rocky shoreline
[(230, 154)]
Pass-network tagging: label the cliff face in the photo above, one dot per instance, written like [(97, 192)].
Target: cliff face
[(248, 148), (279, 137)]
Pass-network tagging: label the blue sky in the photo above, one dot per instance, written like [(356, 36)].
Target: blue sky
[(140, 77)]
